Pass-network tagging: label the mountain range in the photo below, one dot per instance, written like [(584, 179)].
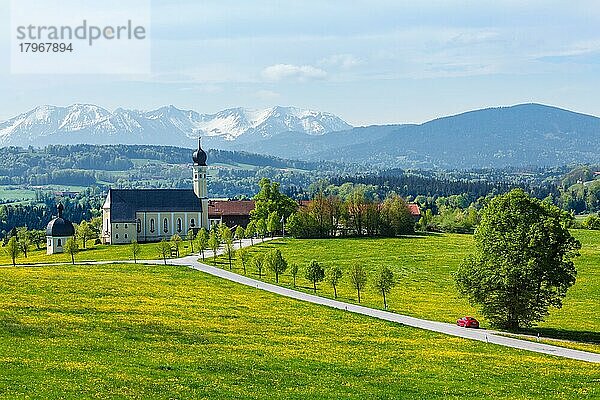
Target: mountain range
[(520, 135), (91, 124)]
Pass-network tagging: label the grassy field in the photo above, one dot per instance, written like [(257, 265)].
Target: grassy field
[(424, 267), (92, 253), (138, 331), (10, 193)]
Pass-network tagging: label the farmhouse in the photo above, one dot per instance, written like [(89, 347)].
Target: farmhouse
[(149, 215)]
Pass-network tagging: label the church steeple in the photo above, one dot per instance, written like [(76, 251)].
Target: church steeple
[(199, 156), (200, 179)]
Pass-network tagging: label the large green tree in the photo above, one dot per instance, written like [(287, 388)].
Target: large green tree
[(269, 199), (523, 261)]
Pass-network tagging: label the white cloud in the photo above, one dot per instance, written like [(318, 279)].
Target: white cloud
[(280, 72), (343, 61)]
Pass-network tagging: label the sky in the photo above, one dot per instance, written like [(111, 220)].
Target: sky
[(369, 62)]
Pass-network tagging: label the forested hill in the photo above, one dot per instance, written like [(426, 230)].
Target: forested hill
[(16, 161)]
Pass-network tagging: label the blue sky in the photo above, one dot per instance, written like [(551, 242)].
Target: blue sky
[(370, 62)]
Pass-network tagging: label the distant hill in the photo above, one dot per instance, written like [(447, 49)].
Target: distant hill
[(527, 134)]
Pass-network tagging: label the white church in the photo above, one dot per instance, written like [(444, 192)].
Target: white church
[(149, 215)]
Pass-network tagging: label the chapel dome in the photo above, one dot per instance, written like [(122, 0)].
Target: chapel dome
[(60, 227)]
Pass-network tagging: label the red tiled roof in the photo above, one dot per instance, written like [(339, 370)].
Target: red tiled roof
[(414, 209), (230, 207)]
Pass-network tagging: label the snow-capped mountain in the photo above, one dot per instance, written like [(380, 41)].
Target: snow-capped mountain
[(87, 123)]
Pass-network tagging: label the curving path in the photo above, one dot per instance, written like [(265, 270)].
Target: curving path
[(441, 327)]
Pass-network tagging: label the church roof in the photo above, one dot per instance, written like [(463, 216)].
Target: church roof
[(124, 203)]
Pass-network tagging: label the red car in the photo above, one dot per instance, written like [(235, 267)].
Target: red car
[(468, 322)]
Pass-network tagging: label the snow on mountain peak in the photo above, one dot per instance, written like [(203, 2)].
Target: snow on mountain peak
[(88, 123)]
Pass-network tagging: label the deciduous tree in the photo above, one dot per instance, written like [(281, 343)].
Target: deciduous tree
[(384, 283), (72, 248), (136, 249), (358, 278), (523, 261), (315, 273), (13, 250), (334, 276)]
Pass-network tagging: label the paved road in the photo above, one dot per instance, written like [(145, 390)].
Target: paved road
[(435, 326), (441, 327)]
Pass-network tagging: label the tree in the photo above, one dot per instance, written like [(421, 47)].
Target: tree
[(276, 263), (591, 222), (250, 232), (38, 237), (24, 240), (258, 262), (84, 232), (384, 283), (202, 241), (136, 249), (315, 273), (243, 256), (358, 278), (261, 228), (190, 237), (396, 217), (294, 272), (239, 234), (227, 237), (164, 250), (523, 261), (13, 249), (72, 248), (213, 244), (269, 199), (334, 275), (176, 243), (273, 223)]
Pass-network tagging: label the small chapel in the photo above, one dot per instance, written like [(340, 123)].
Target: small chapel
[(150, 215)]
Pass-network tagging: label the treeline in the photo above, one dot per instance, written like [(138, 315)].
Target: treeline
[(36, 215), (411, 184)]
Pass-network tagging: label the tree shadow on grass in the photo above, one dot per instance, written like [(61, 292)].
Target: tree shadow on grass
[(589, 337)]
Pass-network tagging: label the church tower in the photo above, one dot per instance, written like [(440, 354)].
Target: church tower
[(200, 182)]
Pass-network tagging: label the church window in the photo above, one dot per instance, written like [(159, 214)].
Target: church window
[(125, 236), (59, 242), (125, 226), (166, 225), (192, 222), (117, 236), (49, 242), (152, 225), (117, 226), (139, 225), (178, 224)]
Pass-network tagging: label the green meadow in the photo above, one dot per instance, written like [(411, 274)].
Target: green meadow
[(149, 251), (424, 267), (141, 331)]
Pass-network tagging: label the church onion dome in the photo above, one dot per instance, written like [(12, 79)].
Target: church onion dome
[(60, 227), (199, 156)]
